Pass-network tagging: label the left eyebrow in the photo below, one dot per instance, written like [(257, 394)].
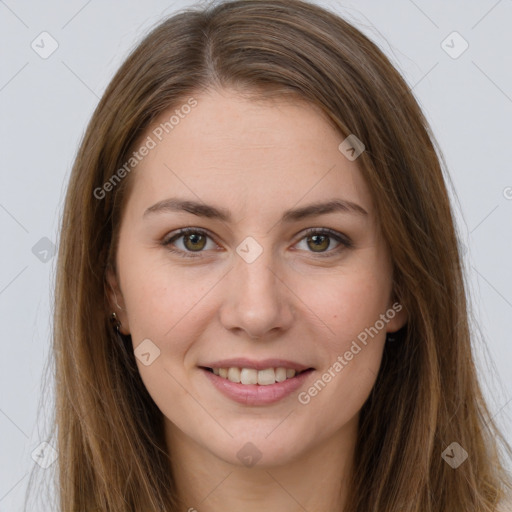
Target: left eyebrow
[(311, 210), (292, 215)]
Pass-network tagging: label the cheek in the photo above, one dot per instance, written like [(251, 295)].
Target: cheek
[(163, 297), (165, 307), (351, 362), (352, 306), (349, 302)]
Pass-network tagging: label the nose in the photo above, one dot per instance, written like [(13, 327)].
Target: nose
[(257, 300)]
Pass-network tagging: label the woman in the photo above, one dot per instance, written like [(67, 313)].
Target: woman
[(260, 302)]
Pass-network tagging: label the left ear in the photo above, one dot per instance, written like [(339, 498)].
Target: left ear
[(397, 315)]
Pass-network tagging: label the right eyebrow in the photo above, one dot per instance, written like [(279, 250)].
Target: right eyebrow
[(200, 209)]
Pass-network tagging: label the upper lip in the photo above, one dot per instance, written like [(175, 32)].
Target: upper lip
[(242, 362)]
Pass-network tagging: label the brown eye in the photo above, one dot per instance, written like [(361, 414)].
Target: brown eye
[(319, 243), (319, 240), (196, 241), (188, 241)]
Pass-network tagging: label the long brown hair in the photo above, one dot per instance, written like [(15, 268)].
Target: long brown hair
[(112, 453)]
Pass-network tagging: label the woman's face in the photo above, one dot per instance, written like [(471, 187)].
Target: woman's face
[(249, 288)]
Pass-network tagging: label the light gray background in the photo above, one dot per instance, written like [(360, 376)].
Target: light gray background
[(45, 105)]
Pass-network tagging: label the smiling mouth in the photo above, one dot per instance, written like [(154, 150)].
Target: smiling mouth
[(251, 376)]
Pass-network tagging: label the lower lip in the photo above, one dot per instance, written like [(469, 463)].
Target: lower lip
[(254, 394)]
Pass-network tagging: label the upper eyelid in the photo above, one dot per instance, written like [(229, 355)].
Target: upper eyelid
[(184, 231)]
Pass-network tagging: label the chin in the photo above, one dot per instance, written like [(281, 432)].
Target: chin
[(258, 449)]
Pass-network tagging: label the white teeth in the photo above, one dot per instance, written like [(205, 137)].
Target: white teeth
[(248, 376), (251, 376), (290, 373), (266, 377), (280, 374), (234, 374)]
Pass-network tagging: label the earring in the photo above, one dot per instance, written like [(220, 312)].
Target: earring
[(115, 322), (123, 342), (391, 337)]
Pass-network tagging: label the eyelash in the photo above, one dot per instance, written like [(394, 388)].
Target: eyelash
[(345, 242)]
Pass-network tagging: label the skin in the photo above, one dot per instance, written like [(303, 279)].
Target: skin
[(256, 159)]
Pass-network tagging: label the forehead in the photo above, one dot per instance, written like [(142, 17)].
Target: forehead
[(250, 156)]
